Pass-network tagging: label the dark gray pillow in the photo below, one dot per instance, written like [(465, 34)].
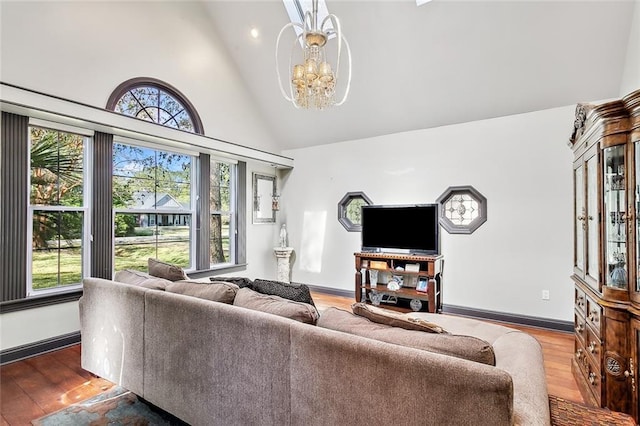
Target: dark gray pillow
[(241, 282), (295, 292)]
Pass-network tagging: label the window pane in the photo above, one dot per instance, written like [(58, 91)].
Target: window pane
[(220, 233), (154, 104), (220, 178), (57, 249), (173, 239), (56, 168)]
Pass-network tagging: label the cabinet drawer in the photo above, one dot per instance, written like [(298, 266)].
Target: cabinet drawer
[(581, 358), (594, 314), (579, 300), (594, 379), (580, 327), (593, 345)]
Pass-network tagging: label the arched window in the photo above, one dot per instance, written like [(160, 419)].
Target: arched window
[(153, 100)]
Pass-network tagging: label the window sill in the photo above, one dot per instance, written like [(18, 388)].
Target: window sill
[(218, 271), (40, 301)]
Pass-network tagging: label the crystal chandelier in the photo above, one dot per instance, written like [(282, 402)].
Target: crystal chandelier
[(312, 83)]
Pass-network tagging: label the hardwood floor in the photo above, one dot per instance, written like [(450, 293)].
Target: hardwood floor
[(31, 388)]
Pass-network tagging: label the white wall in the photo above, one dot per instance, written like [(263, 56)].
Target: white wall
[(631, 74), (520, 163), (33, 325), (83, 50)]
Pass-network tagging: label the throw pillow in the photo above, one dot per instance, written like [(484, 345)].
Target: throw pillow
[(141, 279), (395, 319), (460, 346), (165, 270), (295, 292), (130, 276), (276, 305), (215, 291), (239, 281)]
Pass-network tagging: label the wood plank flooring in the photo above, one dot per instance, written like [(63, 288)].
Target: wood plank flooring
[(31, 388)]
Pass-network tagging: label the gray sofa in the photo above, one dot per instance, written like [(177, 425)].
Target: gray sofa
[(210, 363)]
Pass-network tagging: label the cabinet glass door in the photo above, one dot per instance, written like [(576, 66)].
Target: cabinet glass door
[(614, 217), (580, 211), (593, 238)]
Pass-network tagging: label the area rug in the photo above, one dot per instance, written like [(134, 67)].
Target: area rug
[(569, 413), (116, 406)]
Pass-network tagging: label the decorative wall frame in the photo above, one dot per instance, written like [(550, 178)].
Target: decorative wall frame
[(350, 210), (264, 190), (462, 209)]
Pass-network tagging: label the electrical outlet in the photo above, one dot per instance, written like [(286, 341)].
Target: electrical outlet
[(545, 294)]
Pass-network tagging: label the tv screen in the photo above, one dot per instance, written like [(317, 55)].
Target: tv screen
[(401, 229)]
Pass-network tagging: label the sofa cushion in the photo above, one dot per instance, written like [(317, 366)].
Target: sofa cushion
[(276, 305), (141, 279), (239, 281), (295, 292), (165, 270), (385, 316), (466, 347), (215, 291)]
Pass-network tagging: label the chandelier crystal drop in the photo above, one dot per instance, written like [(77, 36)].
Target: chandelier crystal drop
[(312, 83)]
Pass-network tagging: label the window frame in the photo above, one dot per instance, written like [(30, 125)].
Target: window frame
[(193, 196), (87, 159)]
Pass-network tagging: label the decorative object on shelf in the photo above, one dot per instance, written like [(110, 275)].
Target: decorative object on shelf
[(264, 188), (275, 202), (283, 256), (378, 264), (462, 209), (394, 284), (415, 305), (375, 297), (422, 285), (618, 275), (350, 210), (312, 82), (373, 277), (283, 235)]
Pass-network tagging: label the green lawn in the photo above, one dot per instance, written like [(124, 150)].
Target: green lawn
[(130, 253)]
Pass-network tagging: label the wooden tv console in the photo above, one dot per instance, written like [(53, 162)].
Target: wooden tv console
[(428, 268)]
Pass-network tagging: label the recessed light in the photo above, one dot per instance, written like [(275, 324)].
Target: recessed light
[(254, 32)]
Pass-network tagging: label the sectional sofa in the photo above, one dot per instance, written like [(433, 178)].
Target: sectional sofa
[(213, 363)]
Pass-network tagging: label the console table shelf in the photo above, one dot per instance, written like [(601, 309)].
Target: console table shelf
[(429, 268)]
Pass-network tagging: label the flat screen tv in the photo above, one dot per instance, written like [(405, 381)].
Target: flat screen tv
[(411, 229)]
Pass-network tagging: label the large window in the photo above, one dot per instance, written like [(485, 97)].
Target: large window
[(153, 204), (57, 209)]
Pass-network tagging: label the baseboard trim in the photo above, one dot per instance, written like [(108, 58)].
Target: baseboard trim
[(332, 291), (38, 348), (547, 323)]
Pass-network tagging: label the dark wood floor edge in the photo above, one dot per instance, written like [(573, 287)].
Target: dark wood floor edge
[(38, 348), (547, 323), (332, 291)]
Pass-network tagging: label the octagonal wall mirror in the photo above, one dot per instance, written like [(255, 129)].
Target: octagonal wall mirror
[(350, 210), (264, 190), (462, 209)]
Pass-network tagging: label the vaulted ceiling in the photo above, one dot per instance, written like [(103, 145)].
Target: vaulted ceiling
[(441, 63)]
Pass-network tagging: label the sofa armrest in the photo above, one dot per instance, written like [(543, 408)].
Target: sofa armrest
[(520, 355), (338, 378), (112, 331)]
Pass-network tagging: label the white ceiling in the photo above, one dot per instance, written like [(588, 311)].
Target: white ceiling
[(442, 63)]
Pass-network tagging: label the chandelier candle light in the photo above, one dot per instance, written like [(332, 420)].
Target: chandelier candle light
[(312, 84)]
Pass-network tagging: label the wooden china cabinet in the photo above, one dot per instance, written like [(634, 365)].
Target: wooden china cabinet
[(606, 178)]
